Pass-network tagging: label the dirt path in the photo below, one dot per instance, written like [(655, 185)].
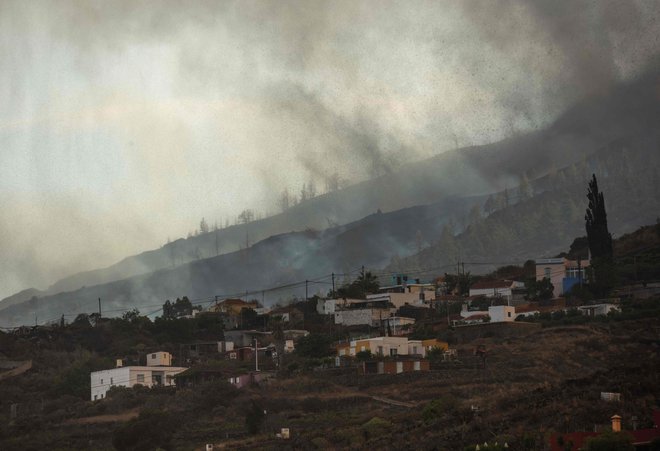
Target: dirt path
[(393, 402)]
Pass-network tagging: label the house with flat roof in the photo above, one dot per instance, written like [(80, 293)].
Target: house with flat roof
[(157, 372), (562, 272)]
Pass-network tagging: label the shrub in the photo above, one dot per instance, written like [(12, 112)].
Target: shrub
[(438, 407), (375, 427), (610, 441)]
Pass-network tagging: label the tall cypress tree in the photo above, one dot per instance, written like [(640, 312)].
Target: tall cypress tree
[(600, 242), (600, 239)]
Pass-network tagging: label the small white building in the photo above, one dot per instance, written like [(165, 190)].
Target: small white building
[(326, 306), (159, 359), (495, 288), (501, 313), (158, 372), (598, 309)]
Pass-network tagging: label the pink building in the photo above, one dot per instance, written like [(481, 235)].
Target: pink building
[(563, 273)]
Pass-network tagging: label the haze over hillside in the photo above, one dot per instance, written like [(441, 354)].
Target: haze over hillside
[(124, 123), (613, 136)]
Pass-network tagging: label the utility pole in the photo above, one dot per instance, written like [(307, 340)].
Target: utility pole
[(306, 296), (333, 286), (99, 307), (256, 354)]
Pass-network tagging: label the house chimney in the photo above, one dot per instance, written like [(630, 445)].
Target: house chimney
[(616, 423), (120, 363)]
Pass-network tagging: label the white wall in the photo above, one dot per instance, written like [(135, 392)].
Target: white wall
[(501, 313), (101, 381), (128, 376), (353, 317), (159, 359), (326, 306)]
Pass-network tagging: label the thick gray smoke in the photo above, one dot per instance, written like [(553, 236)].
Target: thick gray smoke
[(125, 122)]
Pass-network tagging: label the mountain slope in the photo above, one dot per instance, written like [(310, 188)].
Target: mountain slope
[(613, 134)]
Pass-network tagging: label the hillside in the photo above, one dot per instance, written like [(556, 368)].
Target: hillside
[(538, 225), (278, 260), (534, 384), (595, 124)]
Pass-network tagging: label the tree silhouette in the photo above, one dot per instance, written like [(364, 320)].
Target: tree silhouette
[(600, 239)]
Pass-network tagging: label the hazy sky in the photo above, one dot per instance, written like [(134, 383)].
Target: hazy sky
[(125, 122)]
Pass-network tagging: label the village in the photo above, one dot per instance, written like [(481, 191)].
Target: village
[(408, 326)]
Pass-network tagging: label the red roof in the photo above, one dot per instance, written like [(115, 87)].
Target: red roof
[(486, 284)]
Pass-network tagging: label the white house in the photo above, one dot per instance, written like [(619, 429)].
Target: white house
[(501, 313), (389, 346), (326, 306), (495, 288), (598, 309), (157, 372)]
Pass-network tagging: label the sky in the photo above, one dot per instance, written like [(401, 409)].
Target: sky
[(124, 123)]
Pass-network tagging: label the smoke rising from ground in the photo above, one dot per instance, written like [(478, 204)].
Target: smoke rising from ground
[(125, 122)]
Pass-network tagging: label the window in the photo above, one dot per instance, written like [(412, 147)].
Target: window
[(95, 396), (380, 350), (153, 356), (547, 273), (393, 351), (101, 381), (414, 350), (102, 395), (110, 381), (140, 377), (508, 314)]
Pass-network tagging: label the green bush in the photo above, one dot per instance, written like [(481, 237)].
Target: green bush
[(376, 426), (610, 441), (435, 409)]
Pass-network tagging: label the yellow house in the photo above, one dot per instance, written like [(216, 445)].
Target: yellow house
[(390, 346)]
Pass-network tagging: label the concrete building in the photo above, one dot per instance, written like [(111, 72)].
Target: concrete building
[(598, 309), (496, 288), (158, 372), (501, 313), (356, 317), (326, 306), (389, 346), (563, 273)]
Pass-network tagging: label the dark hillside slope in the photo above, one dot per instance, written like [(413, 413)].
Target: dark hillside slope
[(278, 260), (542, 226)]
